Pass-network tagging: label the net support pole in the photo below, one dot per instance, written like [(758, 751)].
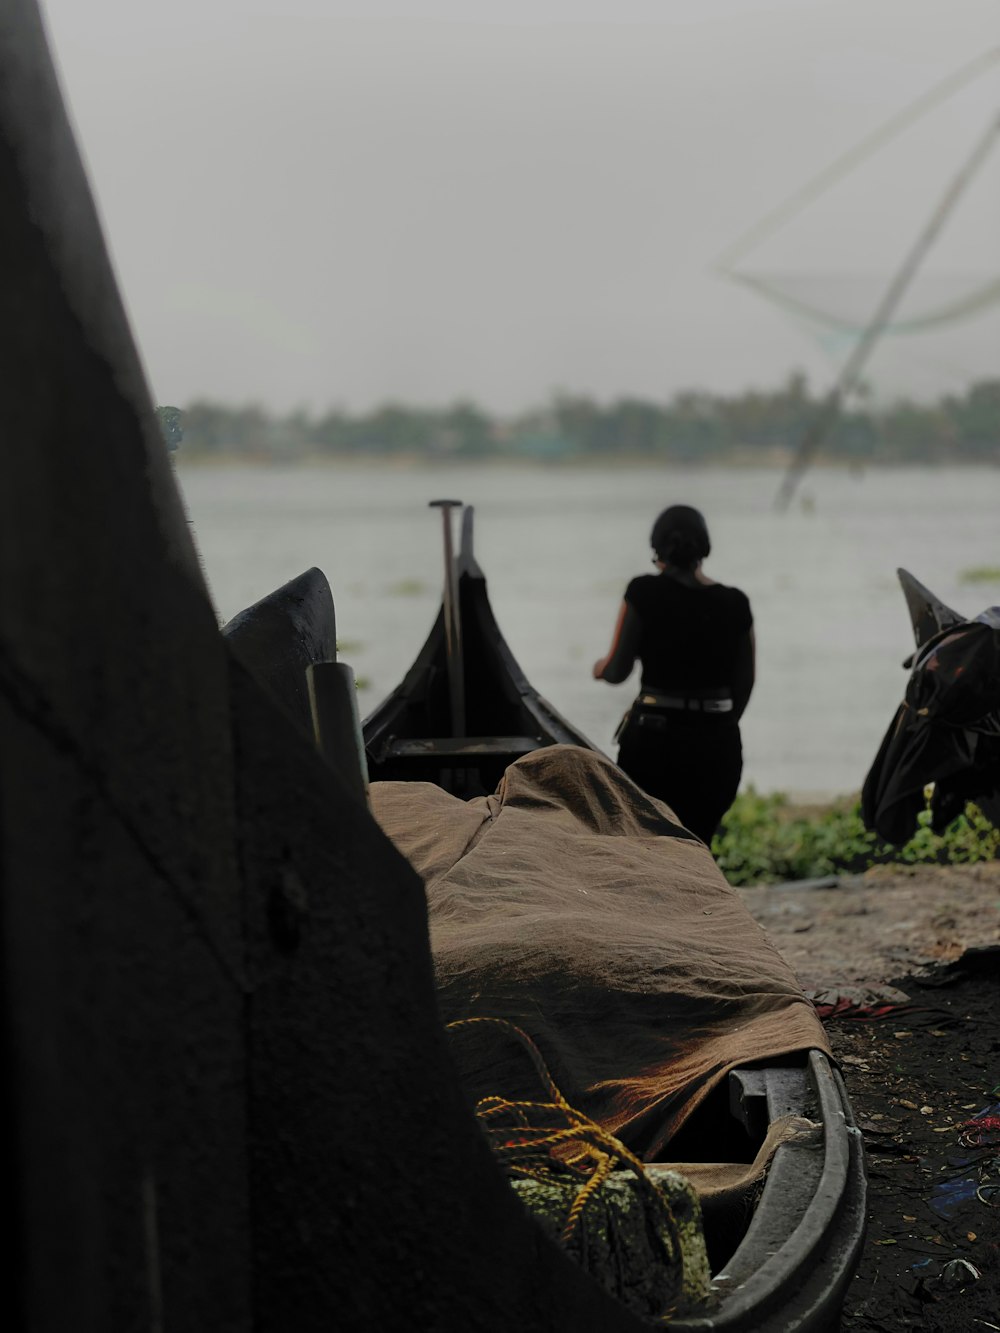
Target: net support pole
[(851, 372)]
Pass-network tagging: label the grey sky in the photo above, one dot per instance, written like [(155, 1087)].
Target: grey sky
[(313, 202)]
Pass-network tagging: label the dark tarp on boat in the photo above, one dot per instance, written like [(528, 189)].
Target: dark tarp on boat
[(947, 731), (574, 905)]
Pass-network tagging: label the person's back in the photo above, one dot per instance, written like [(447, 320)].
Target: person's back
[(691, 633)]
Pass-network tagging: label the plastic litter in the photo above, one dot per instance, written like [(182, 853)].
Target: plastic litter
[(958, 1273)]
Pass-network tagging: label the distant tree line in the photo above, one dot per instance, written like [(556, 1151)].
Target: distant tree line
[(694, 427)]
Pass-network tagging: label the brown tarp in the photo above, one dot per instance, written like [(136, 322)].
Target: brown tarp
[(574, 905)]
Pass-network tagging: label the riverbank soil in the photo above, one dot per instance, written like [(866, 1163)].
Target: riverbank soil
[(920, 1053)]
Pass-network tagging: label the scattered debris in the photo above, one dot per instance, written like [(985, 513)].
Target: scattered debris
[(931, 1125)]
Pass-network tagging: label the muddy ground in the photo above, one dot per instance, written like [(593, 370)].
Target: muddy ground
[(905, 967)]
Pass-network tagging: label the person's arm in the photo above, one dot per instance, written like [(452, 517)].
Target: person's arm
[(744, 672), (617, 664)]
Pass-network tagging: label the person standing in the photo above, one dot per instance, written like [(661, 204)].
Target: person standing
[(680, 740)]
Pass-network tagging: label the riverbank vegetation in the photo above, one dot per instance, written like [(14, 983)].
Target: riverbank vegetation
[(692, 427), (768, 840)]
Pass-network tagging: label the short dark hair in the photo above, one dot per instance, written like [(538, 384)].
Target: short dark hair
[(680, 537)]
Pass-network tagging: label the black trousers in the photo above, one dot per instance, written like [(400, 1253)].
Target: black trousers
[(692, 761)]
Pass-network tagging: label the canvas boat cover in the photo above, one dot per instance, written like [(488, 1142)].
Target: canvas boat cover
[(575, 906)]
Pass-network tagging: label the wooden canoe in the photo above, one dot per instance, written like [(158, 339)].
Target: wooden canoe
[(204, 1043), (786, 1264), (411, 734)]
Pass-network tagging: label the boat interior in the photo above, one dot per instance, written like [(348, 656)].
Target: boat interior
[(464, 711)]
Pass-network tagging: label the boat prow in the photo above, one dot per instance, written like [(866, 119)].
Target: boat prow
[(928, 614), (412, 733)]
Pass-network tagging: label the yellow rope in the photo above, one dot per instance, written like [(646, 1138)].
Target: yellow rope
[(570, 1142)]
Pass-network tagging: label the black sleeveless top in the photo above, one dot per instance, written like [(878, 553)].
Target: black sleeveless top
[(691, 637)]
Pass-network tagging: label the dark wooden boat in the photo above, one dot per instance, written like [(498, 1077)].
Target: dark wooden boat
[(946, 732), (787, 1264), (465, 709), (219, 1015)]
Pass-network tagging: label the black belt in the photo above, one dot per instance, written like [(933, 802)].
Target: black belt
[(719, 702)]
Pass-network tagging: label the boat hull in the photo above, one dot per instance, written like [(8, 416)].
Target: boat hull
[(227, 1099)]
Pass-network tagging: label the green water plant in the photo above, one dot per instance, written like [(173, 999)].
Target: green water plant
[(765, 839), (980, 574), (406, 588)]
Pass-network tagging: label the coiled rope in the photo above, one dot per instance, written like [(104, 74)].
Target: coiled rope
[(550, 1141)]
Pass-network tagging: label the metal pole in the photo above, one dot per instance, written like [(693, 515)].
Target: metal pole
[(452, 623)]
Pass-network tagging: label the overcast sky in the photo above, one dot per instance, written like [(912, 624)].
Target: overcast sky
[(313, 203)]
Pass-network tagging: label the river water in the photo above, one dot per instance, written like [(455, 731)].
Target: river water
[(559, 544)]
